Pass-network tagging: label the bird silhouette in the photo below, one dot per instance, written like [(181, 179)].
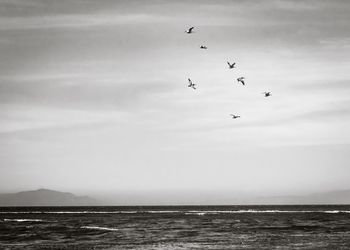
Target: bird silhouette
[(231, 66), (241, 80), (203, 47), (267, 94), (191, 84), (190, 30), (234, 116)]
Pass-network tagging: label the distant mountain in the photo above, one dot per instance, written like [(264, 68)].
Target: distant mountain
[(45, 197), (333, 197)]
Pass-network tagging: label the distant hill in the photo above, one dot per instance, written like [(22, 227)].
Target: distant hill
[(45, 197), (333, 197)]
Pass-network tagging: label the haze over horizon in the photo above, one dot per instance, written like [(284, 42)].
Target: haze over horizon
[(94, 97)]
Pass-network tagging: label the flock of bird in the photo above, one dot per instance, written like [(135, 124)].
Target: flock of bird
[(231, 66)]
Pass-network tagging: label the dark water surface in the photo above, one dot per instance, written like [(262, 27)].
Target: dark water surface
[(176, 227)]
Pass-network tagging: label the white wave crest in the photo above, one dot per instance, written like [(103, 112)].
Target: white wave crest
[(197, 213), (72, 212), (336, 211), (263, 211), (23, 220), (100, 228)]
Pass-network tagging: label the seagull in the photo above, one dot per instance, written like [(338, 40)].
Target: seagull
[(231, 66), (267, 94), (235, 116), (203, 47), (191, 84), (189, 31), (241, 80)]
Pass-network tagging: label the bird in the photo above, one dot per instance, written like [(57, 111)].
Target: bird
[(267, 94), (203, 47), (235, 116), (231, 66), (241, 80), (191, 84), (189, 31)]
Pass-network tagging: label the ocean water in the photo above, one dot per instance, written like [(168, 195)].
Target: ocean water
[(176, 227)]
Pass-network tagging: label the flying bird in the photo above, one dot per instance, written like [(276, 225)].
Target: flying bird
[(231, 66), (191, 84), (203, 47), (241, 80), (234, 116), (190, 30), (267, 94)]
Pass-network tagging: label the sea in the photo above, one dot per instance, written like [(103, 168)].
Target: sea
[(176, 227)]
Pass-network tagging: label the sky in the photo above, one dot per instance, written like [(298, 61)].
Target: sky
[(94, 97)]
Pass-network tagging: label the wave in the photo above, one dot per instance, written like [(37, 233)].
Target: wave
[(197, 212), (100, 228), (336, 211), (73, 212), (24, 220), (265, 211)]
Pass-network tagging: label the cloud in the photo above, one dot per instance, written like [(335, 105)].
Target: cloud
[(83, 91), (74, 21), (336, 112), (336, 43), (322, 85), (19, 118)]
